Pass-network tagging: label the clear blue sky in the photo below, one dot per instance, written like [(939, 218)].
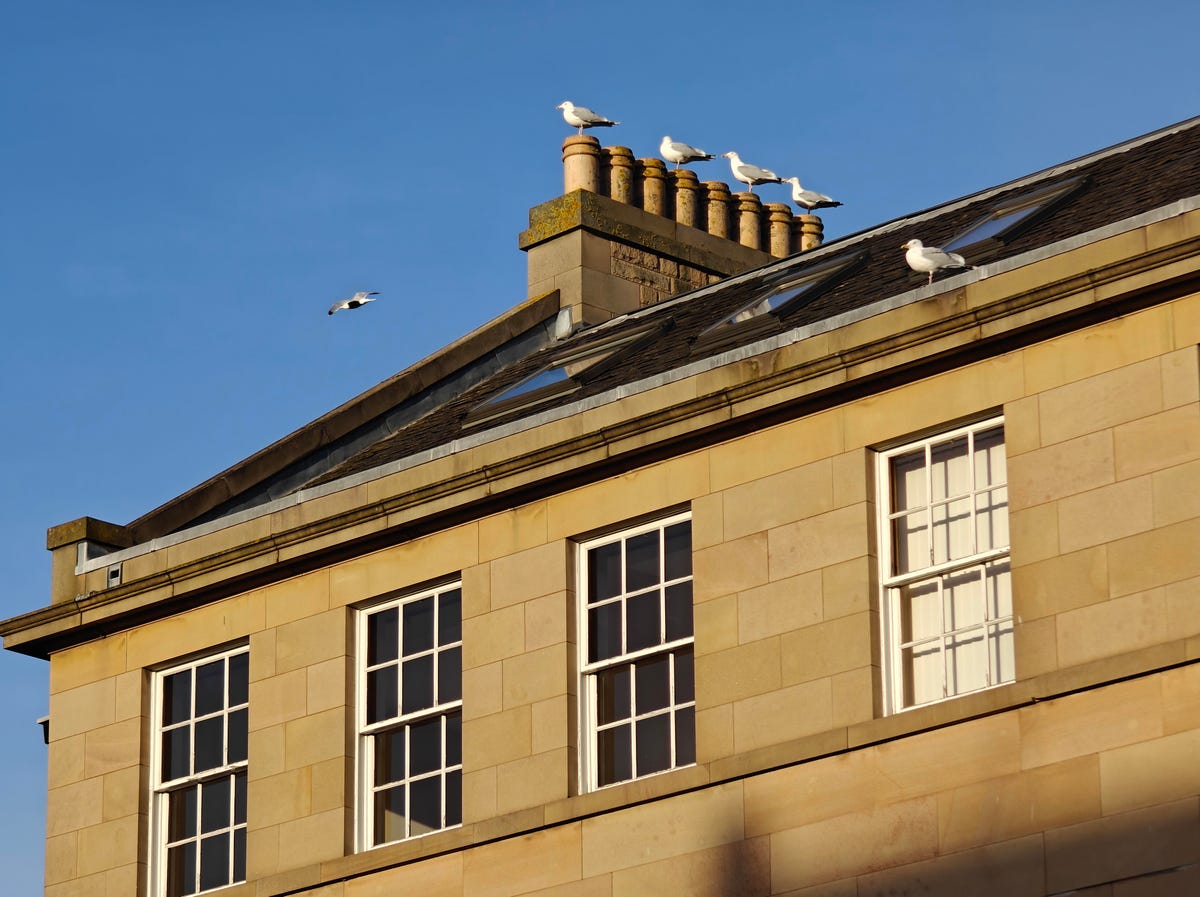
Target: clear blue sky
[(185, 188)]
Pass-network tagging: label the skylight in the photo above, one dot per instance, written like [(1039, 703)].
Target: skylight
[(1002, 221)]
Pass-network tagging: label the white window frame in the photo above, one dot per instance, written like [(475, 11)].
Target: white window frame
[(588, 671), (160, 790), (994, 627), (366, 731)]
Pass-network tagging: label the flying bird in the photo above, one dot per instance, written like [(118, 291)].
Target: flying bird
[(682, 153), (931, 259), (581, 117), (358, 300), (750, 174), (809, 199)]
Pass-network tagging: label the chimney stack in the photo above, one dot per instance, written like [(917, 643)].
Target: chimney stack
[(628, 233)]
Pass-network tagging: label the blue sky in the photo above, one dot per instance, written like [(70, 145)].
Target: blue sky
[(186, 188)]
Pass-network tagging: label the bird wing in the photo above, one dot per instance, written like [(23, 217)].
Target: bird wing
[(338, 306), (759, 174)]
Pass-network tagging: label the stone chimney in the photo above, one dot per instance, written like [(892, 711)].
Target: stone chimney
[(628, 233)]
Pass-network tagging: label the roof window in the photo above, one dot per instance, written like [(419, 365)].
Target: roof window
[(1007, 219)]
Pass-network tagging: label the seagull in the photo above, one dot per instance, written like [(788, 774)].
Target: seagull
[(750, 174), (357, 300), (682, 153), (931, 259), (581, 117), (809, 199)]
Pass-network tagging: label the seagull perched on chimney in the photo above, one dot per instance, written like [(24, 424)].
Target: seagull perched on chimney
[(931, 259), (581, 117), (358, 300), (809, 199), (750, 174), (682, 153)]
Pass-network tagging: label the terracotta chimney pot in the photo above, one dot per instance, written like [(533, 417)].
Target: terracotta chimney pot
[(686, 206), (749, 219), (718, 200), (620, 173), (780, 216), (581, 163), (654, 186)]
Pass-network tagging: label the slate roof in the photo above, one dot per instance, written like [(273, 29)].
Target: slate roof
[(1108, 186)]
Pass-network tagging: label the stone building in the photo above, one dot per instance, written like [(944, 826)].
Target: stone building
[(729, 562)]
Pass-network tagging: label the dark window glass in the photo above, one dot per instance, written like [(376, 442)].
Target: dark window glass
[(382, 636), (389, 756), (454, 739), (214, 861), (685, 736), (239, 679), (612, 695), (449, 675), (641, 561), (214, 804), (237, 736), (425, 745), (425, 812), (181, 870), (210, 687), (181, 814), (177, 697), (679, 610), (653, 744), (685, 683), (614, 762), (454, 798), (417, 684), (604, 572), (239, 798), (389, 815), (678, 560), (450, 617), (653, 681), (239, 855), (418, 626), (176, 750), (210, 743), (642, 621), (382, 695), (604, 631)]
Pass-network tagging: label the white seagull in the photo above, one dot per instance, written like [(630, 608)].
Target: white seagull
[(356, 301), (809, 199), (682, 153), (581, 117), (750, 174), (931, 259)]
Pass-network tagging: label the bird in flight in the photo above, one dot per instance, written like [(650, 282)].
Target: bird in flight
[(682, 153), (750, 174), (581, 117), (358, 300), (931, 259)]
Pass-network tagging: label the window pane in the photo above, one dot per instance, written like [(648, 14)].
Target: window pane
[(454, 798), (181, 870), (176, 753), (920, 611), (949, 469), (426, 808), (214, 861), (653, 744), (389, 756), (239, 855), (989, 458), (641, 561), (685, 677), (679, 610), (417, 684), (612, 695), (177, 697), (449, 675), (991, 519), (383, 633), (425, 744), (453, 739), (1000, 652), (389, 815), (237, 736), (604, 572), (239, 799), (210, 687), (181, 813), (214, 805), (604, 631), (450, 617), (952, 534), (653, 685), (963, 599), (998, 582), (685, 736), (908, 481), (239, 679), (210, 743), (966, 662), (923, 674), (418, 626), (381, 694), (678, 542), (910, 542), (642, 621), (614, 760)]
